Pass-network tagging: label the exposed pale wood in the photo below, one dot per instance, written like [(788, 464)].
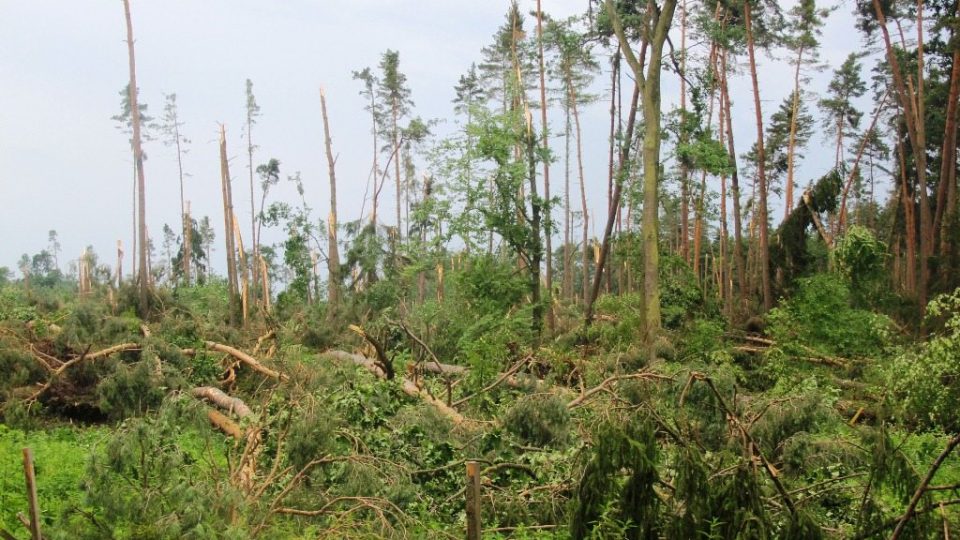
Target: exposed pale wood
[(224, 423), (219, 398), (250, 361)]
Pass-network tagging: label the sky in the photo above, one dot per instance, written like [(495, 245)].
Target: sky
[(64, 165)]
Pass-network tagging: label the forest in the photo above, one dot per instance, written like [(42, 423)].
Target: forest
[(754, 339)]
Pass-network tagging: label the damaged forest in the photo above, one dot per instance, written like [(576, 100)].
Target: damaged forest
[(733, 314)]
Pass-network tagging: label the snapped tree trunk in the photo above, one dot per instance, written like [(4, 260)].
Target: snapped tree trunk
[(228, 227), (333, 252)]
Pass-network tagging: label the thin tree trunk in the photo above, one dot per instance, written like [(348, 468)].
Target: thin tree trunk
[(548, 230), (909, 224), (228, 227), (761, 214), (333, 252), (913, 115), (396, 170), (738, 256), (585, 237), (684, 172), (792, 140), (947, 189), (567, 237), (253, 213), (138, 159)]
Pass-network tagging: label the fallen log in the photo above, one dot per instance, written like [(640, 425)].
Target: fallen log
[(250, 361), (222, 400), (225, 424)]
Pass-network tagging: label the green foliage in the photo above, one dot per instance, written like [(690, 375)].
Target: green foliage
[(924, 380), (861, 258), (153, 480), (820, 318), (630, 446), (60, 456), (539, 420)]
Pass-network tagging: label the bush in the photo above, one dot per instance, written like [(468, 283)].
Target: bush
[(926, 382), (820, 317), (539, 420)]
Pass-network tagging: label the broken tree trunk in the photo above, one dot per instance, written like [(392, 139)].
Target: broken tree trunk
[(250, 361), (222, 400)]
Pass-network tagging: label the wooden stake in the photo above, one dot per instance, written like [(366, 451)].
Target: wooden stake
[(32, 494), (473, 501)]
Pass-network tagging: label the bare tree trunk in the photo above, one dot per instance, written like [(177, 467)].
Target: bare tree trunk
[(144, 278), (567, 236), (333, 252), (548, 229), (228, 228), (913, 114), (184, 205), (909, 224), (945, 216), (253, 213), (684, 172), (738, 257), (761, 214), (792, 140), (585, 237)]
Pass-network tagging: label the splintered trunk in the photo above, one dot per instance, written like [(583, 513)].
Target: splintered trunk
[(119, 262), (244, 271), (761, 214), (144, 276), (333, 252), (548, 230), (228, 227), (738, 257)]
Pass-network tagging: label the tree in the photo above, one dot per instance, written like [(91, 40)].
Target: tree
[(207, 235), (173, 137), (54, 243), (229, 228), (841, 118), (333, 252), (395, 94), (144, 276), (253, 111), (656, 27), (370, 83), (804, 25), (124, 120), (576, 67)]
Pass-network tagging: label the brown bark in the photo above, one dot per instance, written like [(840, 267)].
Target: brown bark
[(945, 215), (761, 214), (545, 142), (738, 257), (856, 164)]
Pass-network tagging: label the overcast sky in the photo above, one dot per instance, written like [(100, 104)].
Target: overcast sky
[(65, 166)]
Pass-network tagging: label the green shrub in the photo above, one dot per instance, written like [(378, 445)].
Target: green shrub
[(539, 420), (925, 382), (820, 317)]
